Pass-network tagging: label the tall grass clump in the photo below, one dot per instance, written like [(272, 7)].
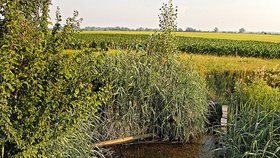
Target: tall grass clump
[(151, 95), (254, 121)]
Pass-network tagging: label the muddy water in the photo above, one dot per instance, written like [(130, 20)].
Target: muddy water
[(202, 148)]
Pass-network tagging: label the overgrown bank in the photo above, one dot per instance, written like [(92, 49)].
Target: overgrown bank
[(57, 105), (254, 121)]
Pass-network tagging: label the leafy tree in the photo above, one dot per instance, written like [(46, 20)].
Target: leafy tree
[(164, 43), (167, 17), (190, 29), (216, 29), (1, 21), (41, 96), (180, 30), (241, 30)]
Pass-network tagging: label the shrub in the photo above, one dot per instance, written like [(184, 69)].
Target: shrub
[(76, 142), (42, 95)]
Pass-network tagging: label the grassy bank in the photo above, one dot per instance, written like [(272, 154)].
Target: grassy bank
[(208, 63), (254, 121), (124, 114), (221, 73)]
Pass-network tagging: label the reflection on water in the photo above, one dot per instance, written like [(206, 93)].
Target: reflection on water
[(200, 149)]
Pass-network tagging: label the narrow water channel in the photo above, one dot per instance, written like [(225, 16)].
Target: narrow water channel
[(202, 148)]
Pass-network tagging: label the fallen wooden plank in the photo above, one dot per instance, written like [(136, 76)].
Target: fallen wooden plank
[(120, 141)]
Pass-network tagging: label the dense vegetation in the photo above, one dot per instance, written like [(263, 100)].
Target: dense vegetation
[(42, 96), (254, 121), (252, 95), (193, 45), (57, 105), (152, 95)]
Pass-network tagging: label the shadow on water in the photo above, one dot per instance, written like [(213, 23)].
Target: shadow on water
[(202, 148)]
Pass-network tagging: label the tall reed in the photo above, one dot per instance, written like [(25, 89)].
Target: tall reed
[(254, 122), (151, 94)]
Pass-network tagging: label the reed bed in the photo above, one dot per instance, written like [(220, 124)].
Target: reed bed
[(151, 94)]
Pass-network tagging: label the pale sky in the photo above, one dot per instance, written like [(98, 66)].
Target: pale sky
[(227, 15)]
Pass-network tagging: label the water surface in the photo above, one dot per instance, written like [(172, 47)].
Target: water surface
[(202, 148)]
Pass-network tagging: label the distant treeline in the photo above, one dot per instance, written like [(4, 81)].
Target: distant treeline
[(118, 28), (188, 29)]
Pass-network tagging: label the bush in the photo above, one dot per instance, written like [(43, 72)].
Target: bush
[(45, 102), (75, 143), (42, 95)]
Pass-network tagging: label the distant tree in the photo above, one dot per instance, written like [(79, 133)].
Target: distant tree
[(180, 30), (140, 29), (216, 29), (190, 29), (241, 30)]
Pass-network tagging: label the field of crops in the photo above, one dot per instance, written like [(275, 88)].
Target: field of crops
[(230, 36), (196, 44)]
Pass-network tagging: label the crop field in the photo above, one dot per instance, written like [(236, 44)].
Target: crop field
[(229, 36), (195, 45)]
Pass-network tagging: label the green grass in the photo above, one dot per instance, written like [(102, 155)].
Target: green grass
[(209, 63), (148, 92), (221, 73), (229, 36), (151, 94), (254, 121)]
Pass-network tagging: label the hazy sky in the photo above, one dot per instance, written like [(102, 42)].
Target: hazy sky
[(227, 15)]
